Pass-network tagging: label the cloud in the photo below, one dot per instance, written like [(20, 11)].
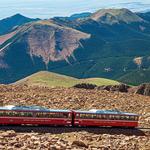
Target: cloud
[(50, 8)]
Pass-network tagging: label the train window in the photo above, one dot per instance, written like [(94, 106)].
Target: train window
[(25, 114), (136, 118), (11, 113), (117, 117), (2, 113), (131, 117), (77, 116), (38, 114), (111, 117), (106, 116), (69, 115), (103, 116), (52, 115), (126, 117), (82, 116), (94, 116), (99, 116), (122, 117), (29, 114), (86, 116), (65, 115), (90, 116)]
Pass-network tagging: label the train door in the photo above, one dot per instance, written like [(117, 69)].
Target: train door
[(73, 118)]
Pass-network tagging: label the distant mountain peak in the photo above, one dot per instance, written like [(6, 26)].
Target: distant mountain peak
[(111, 16), (18, 15), (80, 15), (9, 23)]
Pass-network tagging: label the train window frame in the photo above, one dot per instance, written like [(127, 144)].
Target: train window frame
[(52, 115)]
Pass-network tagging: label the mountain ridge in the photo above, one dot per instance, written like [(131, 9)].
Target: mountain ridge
[(9, 23), (82, 47)]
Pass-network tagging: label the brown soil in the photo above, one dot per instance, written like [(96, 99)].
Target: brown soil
[(5, 37), (75, 138)]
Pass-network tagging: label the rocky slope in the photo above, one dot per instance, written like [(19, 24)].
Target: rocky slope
[(77, 138), (34, 45)]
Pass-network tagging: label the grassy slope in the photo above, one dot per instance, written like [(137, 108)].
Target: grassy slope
[(136, 77), (44, 78)]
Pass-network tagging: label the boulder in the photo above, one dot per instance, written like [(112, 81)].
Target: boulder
[(10, 133), (80, 144), (119, 88), (85, 86), (143, 89)]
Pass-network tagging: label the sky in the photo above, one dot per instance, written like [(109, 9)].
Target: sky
[(49, 8)]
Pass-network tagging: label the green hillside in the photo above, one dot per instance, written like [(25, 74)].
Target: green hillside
[(49, 79), (136, 77)]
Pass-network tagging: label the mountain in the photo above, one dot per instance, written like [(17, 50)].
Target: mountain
[(80, 15), (7, 24), (115, 16), (145, 16), (32, 46), (110, 43), (115, 44), (49, 79)]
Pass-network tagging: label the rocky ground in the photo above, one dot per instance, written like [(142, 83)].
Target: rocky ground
[(53, 138)]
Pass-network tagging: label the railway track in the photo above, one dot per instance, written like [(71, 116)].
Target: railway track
[(58, 130)]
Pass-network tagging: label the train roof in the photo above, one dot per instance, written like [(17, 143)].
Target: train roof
[(31, 108), (113, 112)]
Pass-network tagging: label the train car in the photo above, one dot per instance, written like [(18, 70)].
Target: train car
[(105, 118), (34, 115)]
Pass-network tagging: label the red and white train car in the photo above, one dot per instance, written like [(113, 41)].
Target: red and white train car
[(34, 115), (110, 118)]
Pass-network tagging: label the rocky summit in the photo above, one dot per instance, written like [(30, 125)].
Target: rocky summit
[(60, 138)]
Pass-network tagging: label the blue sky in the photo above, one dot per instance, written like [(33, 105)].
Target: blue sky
[(50, 8)]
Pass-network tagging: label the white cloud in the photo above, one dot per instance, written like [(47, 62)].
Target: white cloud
[(50, 8)]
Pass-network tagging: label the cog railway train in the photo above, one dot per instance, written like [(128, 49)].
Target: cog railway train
[(36, 115)]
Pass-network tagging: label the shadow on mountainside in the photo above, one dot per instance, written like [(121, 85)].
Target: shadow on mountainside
[(59, 130)]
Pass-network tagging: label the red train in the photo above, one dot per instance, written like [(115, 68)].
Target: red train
[(35, 115)]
